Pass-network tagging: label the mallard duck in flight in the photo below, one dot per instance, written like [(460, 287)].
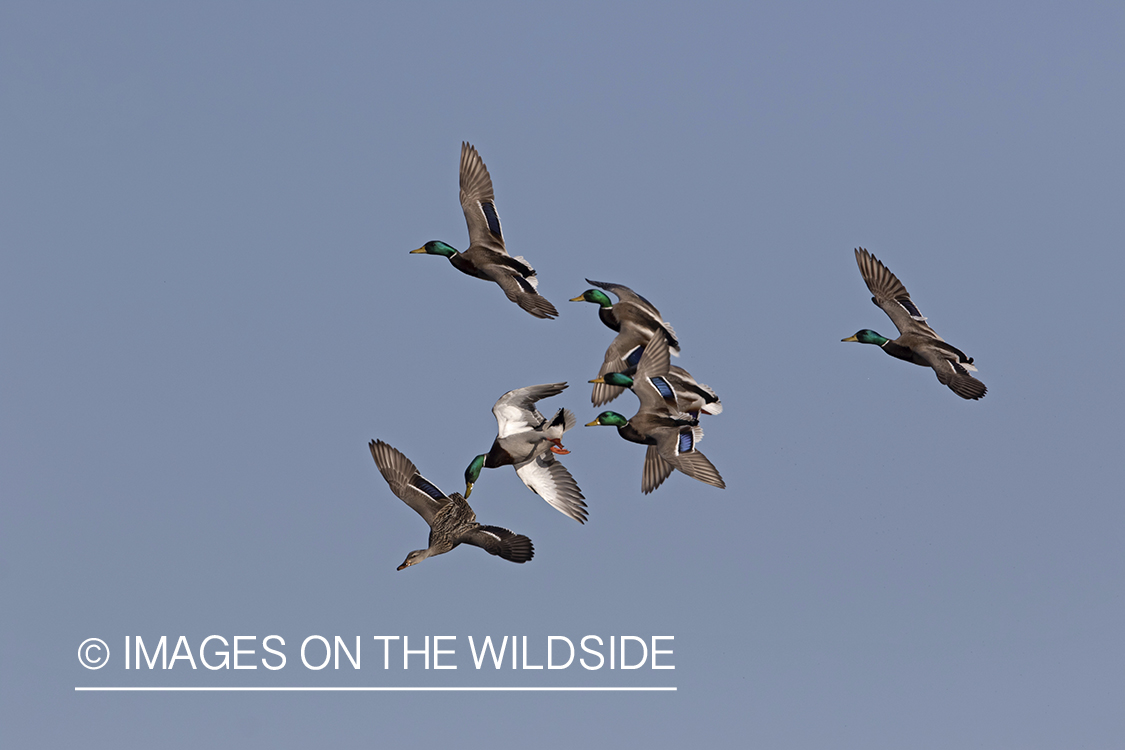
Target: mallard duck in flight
[(529, 442), (679, 389), (452, 521), (917, 342), (486, 257), (671, 436), (636, 320)]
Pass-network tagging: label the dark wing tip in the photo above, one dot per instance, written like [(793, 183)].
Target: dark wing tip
[(698, 466), (537, 305), (496, 540), (385, 455), (516, 548), (968, 387), (607, 285)]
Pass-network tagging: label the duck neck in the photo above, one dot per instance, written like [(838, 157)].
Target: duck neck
[(897, 350), (463, 264), (630, 433), (608, 318), (497, 456)]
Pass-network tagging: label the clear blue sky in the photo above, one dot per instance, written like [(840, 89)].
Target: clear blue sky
[(209, 308)]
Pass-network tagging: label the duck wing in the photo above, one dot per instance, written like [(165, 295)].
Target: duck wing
[(402, 475), (633, 310), (697, 466), (515, 411), (478, 202), (650, 381), (677, 447), (496, 540), (655, 470), (549, 479), (692, 393), (950, 372), (622, 355), (889, 294), (520, 288)]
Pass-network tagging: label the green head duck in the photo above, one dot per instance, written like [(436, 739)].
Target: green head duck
[(436, 247), (596, 296), (867, 336), (472, 473), (609, 419), (615, 378)]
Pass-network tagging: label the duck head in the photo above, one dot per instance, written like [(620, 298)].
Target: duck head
[(472, 472), (596, 296), (608, 419), (414, 558), (615, 378), (867, 336), (436, 247)]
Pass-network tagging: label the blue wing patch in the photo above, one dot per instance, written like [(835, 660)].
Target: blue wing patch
[(420, 482), (492, 218), (686, 442), (663, 388), (910, 308), (634, 357)]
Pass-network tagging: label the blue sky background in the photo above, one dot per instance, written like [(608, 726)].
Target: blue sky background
[(209, 308)]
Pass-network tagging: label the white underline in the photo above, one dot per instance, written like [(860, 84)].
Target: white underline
[(373, 689)]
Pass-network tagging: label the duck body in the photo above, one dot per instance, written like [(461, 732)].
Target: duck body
[(486, 257), (678, 388), (670, 434), (691, 396), (636, 321), (451, 519), (671, 442), (917, 341), (529, 442)]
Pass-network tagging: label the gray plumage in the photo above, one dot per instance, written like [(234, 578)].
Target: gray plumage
[(680, 391), (486, 257), (636, 320), (528, 441), (452, 521), (671, 436), (693, 397), (917, 341)]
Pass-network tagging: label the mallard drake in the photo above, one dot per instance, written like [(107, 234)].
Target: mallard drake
[(526, 440), (917, 342), (636, 320), (671, 436), (679, 389), (451, 520), (486, 257)]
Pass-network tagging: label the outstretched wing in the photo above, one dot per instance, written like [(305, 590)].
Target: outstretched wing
[(521, 290), (655, 471), (953, 374), (889, 294), (690, 391), (478, 202), (619, 357), (677, 447), (549, 479), (697, 466), (515, 411), (649, 382), (402, 475), (632, 308), (500, 541)]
